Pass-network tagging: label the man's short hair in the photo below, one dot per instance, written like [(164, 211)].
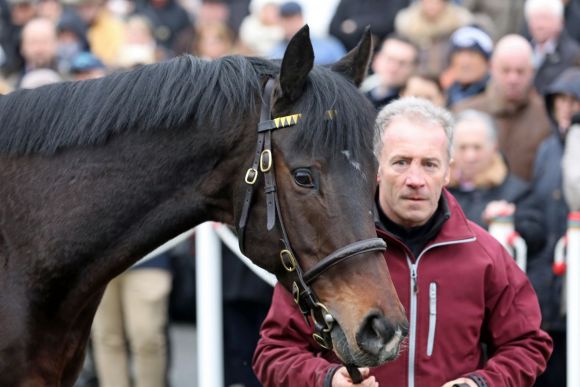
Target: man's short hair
[(556, 7), (405, 40), (486, 119), (412, 108)]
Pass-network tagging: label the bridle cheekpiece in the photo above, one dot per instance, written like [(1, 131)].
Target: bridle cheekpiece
[(301, 291)]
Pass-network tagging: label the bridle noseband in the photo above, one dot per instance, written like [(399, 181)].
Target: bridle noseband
[(301, 291)]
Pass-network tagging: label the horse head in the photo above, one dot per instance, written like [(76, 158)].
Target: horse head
[(317, 176)]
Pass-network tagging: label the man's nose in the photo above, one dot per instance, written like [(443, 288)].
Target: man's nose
[(415, 176)]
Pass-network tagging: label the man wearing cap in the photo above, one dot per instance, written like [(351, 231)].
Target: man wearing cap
[(326, 50), (87, 66), (469, 63)]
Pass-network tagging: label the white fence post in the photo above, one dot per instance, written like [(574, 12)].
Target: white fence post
[(502, 229), (208, 260), (573, 300)]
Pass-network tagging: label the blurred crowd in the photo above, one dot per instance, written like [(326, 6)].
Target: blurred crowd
[(508, 69)]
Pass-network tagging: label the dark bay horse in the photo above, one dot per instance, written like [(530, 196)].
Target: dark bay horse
[(95, 174)]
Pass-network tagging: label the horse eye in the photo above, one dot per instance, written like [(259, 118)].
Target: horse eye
[(303, 177)]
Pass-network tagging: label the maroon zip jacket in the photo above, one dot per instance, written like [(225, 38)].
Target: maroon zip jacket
[(469, 290)]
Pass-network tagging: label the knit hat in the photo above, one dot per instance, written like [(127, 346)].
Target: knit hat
[(471, 38)]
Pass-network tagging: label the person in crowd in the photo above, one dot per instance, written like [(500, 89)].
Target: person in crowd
[(511, 99), (261, 31), (498, 17), (213, 41), (15, 15), (326, 50), (139, 46), (39, 49), (167, 18), (71, 40), (471, 49), (429, 24), (554, 49), (351, 17), (105, 32), (562, 101), (87, 66), (483, 185), (425, 86), (434, 254), (133, 316), (392, 66)]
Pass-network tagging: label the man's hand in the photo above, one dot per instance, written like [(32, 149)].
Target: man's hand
[(498, 208), (342, 379), (460, 382)]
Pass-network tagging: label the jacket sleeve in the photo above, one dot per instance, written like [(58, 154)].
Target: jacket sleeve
[(286, 354), (570, 168), (518, 349)]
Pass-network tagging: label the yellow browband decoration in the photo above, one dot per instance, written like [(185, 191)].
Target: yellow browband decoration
[(282, 122)]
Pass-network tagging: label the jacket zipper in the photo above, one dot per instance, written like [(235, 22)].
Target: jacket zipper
[(413, 308), (432, 317), (413, 322)]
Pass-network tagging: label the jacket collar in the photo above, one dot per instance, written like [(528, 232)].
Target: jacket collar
[(448, 225)]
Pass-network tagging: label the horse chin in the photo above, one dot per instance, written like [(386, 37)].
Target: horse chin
[(354, 355)]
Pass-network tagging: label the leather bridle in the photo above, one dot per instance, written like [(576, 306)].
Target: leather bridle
[(301, 291)]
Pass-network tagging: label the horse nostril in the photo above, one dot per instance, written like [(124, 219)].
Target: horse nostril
[(374, 334)]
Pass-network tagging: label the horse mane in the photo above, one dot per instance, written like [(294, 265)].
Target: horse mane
[(178, 93)]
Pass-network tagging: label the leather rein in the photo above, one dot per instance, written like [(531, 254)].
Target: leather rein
[(301, 291)]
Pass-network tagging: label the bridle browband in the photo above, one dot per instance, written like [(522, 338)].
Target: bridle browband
[(301, 291)]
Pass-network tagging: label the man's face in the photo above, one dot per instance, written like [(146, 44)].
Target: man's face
[(565, 106), (432, 9), (413, 169), (513, 74), (544, 25), (473, 148), (39, 44), (424, 88), (395, 63), (469, 66)]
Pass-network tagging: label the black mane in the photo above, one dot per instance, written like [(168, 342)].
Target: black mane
[(180, 93)]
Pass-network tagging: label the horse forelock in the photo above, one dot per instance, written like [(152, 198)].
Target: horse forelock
[(352, 123)]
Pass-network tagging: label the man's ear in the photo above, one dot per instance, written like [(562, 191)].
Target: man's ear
[(448, 174), (355, 64)]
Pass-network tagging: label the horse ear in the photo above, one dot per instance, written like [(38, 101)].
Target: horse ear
[(296, 64), (355, 64)]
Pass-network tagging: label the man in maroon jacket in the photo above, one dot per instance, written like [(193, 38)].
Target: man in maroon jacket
[(458, 284)]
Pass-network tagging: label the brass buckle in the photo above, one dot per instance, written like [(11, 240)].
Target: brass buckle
[(288, 260), (295, 292), (251, 176), (265, 166), (320, 340), (328, 320)]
